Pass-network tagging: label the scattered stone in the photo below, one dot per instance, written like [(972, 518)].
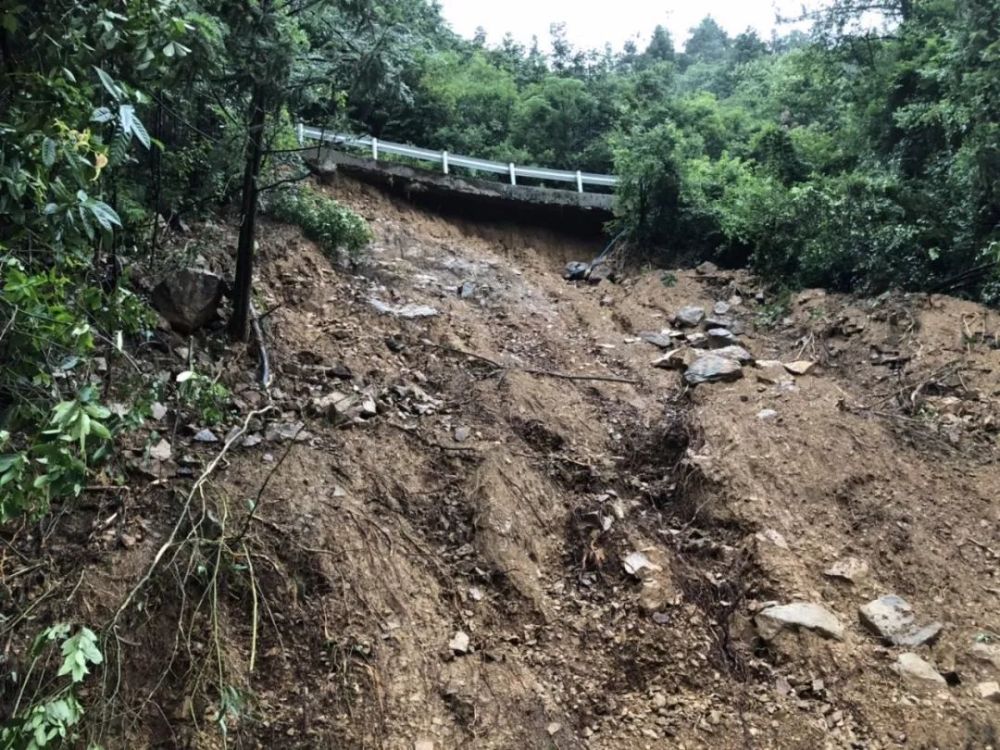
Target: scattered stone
[(467, 290), (205, 436), (423, 745), (575, 271), (891, 618), (459, 643), (409, 311), (770, 372), (598, 273), (476, 593), (661, 340), (335, 404), (800, 367), (678, 359), (162, 451), (989, 691), (286, 431), (738, 353), (767, 415), (462, 434), (697, 340), (913, 667), (553, 728), (717, 321), (986, 652), (848, 569), (157, 411), (711, 368), (721, 308), (774, 619), (706, 268), (188, 299), (252, 440), (636, 563), (719, 337), (774, 537), (689, 316)]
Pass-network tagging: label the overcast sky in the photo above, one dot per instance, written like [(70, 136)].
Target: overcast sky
[(589, 23)]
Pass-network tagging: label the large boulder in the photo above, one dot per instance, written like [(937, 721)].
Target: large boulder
[(808, 615), (711, 368), (188, 299)]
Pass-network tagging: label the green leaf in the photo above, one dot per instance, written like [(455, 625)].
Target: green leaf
[(126, 115), (140, 132), (48, 152), (104, 214), (102, 114), (109, 84)]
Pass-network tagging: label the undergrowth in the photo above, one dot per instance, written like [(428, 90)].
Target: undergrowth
[(324, 220)]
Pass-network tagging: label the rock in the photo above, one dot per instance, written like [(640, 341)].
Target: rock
[(252, 440), (409, 311), (162, 451), (462, 434), (575, 271), (848, 569), (706, 268), (678, 359), (717, 321), (773, 536), (188, 299), (689, 316), (772, 620), (553, 728), (423, 745), (721, 308), (467, 290), (989, 691), (767, 415), (914, 668), (598, 273), (719, 337), (800, 367), (459, 643), (770, 372), (738, 353), (157, 411), (335, 404), (986, 652), (205, 436), (891, 618), (661, 340), (711, 368), (286, 431), (697, 340), (637, 563)]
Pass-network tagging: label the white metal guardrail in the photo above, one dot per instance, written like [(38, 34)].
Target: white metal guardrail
[(448, 160)]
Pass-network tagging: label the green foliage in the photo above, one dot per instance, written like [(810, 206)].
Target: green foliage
[(207, 397), (323, 220), (50, 719)]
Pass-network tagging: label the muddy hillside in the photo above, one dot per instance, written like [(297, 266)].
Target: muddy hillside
[(490, 508)]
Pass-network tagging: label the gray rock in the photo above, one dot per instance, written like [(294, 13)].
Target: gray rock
[(848, 569), (721, 308), (689, 316), (162, 451), (188, 299), (891, 618), (462, 434), (467, 290), (717, 321), (989, 691), (719, 337), (708, 267), (677, 359), (598, 273), (698, 340), (916, 669), (205, 436), (575, 271), (409, 312), (711, 368), (459, 643), (988, 653), (660, 340), (738, 353), (767, 415), (773, 620)]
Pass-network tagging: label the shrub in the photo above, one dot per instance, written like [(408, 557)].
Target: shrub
[(323, 220)]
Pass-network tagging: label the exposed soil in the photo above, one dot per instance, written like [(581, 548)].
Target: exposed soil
[(377, 540)]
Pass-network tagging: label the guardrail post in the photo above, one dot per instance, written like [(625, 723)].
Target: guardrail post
[(375, 148), (444, 161), (513, 174), (579, 181), (300, 133)]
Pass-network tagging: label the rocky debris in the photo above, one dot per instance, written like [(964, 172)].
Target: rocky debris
[(661, 340), (157, 411), (205, 436), (774, 619), (162, 451), (848, 569), (711, 368), (575, 271), (459, 642), (345, 407), (697, 340), (689, 316), (718, 321), (988, 653), (721, 308), (800, 367), (707, 268), (188, 299), (467, 290), (285, 431), (891, 618), (738, 353), (416, 400), (771, 372), (767, 415), (678, 359), (462, 434), (637, 563), (423, 745), (914, 668), (553, 727), (989, 691), (598, 273), (409, 311), (719, 337), (773, 536)]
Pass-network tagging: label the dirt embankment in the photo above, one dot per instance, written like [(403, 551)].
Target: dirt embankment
[(472, 543)]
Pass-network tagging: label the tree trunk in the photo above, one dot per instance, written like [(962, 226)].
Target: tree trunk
[(239, 322)]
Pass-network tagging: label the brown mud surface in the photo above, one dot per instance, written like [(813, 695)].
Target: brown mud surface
[(449, 572)]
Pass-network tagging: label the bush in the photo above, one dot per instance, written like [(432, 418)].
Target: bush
[(323, 220)]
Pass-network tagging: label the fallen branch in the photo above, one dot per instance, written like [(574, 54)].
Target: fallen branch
[(533, 370), (258, 334)]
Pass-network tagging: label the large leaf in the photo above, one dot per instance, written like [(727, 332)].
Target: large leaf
[(102, 114), (109, 84), (104, 214), (126, 114), (140, 132), (48, 152)]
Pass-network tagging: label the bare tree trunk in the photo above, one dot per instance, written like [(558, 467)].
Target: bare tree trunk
[(243, 288)]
